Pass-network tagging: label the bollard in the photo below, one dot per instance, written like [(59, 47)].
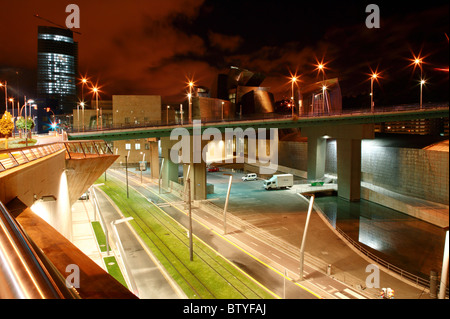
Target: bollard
[(433, 284), (329, 270)]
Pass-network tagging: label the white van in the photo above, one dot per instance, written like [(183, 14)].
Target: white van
[(249, 177)]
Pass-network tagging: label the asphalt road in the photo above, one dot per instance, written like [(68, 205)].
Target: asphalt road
[(246, 251)]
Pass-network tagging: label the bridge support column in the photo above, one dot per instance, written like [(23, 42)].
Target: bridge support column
[(154, 160), (197, 172), (317, 151), (349, 168), (169, 169), (348, 139)]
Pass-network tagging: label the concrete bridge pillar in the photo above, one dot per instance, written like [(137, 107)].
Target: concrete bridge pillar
[(317, 151), (169, 168), (154, 159), (197, 171), (348, 139)]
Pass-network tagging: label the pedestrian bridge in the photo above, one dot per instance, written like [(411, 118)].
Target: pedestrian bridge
[(36, 253)]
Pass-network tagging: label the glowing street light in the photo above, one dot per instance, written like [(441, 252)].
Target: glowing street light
[(190, 107), (374, 76), (324, 92), (95, 91), (417, 61), (422, 82), (293, 81), (191, 85)]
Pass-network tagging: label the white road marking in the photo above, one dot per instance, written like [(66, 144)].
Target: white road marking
[(341, 295), (354, 293)]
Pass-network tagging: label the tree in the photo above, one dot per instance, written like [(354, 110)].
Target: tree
[(23, 124), (6, 126)]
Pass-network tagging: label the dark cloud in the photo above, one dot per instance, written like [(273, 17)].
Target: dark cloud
[(153, 46)]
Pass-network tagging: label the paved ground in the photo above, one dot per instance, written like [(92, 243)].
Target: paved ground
[(324, 247), (143, 275), (269, 234)]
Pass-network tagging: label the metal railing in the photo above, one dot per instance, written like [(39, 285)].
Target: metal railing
[(14, 157), (97, 148), (419, 281), (265, 117), (25, 272)]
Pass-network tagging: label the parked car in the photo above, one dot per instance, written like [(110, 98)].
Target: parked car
[(85, 196), (249, 177), (213, 169)]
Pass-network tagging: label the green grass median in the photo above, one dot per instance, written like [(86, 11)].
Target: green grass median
[(208, 276), (114, 270)]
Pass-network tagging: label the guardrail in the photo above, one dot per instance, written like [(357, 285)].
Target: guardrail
[(10, 158), (264, 116), (25, 272), (401, 272), (14, 157)]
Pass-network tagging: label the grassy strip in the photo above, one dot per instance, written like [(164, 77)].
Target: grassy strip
[(207, 276), (100, 235), (17, 143), (114, 270)]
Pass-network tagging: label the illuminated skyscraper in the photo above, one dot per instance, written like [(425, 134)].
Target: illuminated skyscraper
[(57, 65)]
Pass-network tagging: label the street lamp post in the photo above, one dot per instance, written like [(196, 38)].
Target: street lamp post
[(82, 113), (95, 90), (191, 84), (126, 174), (302, 248), (13, 117), (191, 242), (6, 94), (222, 109), (168, 107), (324, 95), (417, 61), (422, 82), (293, 80), (226, 204), (372, 103)]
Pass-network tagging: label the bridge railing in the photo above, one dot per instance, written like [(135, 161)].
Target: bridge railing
[(14, 157), (86, 148), (263, 116), (25, 272)]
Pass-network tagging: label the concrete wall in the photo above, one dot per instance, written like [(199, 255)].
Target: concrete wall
[(413, 172), (136, 109), (418, 173)]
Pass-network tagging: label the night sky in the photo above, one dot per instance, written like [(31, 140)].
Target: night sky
[(153, 47)]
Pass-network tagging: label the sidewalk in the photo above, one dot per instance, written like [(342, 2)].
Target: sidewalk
[(82, 233)]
